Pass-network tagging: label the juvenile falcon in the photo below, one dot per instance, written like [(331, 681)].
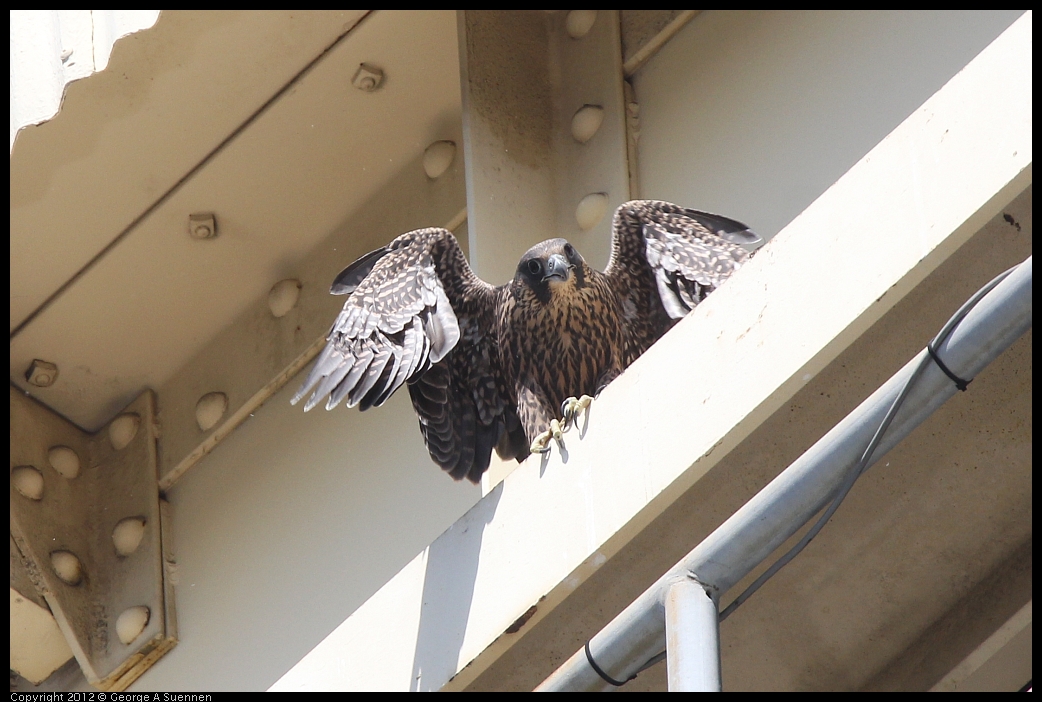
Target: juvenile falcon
[(501, 366)]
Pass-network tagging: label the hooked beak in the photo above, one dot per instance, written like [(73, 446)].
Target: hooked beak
[(557, 266)]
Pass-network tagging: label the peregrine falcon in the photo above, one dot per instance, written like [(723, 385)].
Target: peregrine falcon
[(503, 366)]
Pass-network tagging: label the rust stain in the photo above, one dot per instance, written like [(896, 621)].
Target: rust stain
[(521, 621)]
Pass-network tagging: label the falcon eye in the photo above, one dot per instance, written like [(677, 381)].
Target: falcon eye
[(569, 252), (534, 267)]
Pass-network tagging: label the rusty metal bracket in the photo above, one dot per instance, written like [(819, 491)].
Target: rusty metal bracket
[(88, 526)]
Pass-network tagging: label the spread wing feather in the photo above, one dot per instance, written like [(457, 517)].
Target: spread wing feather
[(665, 259), (417, 314)]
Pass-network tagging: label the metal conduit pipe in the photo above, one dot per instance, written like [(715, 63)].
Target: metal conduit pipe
[(789, 501), (692, 638)]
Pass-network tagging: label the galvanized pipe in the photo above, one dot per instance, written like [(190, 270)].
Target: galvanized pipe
[(779, 510), (692, 638)]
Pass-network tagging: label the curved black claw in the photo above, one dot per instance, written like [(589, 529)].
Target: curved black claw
[(572, 408)]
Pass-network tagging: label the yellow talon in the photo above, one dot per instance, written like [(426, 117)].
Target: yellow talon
[(572, 408), (541, 443)]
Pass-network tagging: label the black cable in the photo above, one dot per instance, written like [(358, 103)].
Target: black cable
[(860, 466)]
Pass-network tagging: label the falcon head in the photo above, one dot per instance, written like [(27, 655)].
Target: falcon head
[(550, 269)]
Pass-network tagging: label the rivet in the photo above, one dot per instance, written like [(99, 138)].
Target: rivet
[(67, 567), (578, 22), (586, 121), (131, 623), (202, 225), (591, 210), (368, 78), (438, 157), (123, 430), (283, 296), (28, 482), (64, 460), (126, 537), (42, 374), (210, 408)]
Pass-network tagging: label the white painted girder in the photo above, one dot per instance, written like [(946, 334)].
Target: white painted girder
[(940, 176)]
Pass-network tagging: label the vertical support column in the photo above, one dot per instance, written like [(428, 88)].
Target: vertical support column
[(692, 639), (544, 132), (591, 166), (507, 116)]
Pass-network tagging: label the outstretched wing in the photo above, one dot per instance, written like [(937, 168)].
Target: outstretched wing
[(665, 259), (417, 314)]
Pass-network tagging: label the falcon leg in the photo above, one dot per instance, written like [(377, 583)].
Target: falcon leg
[(572, 408), (541, 444)]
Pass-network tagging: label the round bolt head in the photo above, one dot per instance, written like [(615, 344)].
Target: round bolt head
[(591, 210), (42, 374), (131, 623), (123, 430), (209, 410), (67, 567), (127, 535), (438, 157), (579, 22), (28, 482), (586, 121), (368, 78), (283, 296), (65, 461)]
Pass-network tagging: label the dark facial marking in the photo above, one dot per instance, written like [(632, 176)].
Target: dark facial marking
[(530, 274)]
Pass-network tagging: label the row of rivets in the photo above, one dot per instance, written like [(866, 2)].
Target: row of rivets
[(211, 407), (127, 535), (282, 298), (586, 122), (285, 294)]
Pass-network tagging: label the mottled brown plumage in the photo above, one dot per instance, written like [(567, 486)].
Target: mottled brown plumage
[(490, 366)]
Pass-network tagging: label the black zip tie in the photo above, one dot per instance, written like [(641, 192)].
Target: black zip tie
[(959, 382), (604, 676)]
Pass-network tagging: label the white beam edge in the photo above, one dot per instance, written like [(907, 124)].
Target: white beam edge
[(989, 648), (52, 48), (883, 227)]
